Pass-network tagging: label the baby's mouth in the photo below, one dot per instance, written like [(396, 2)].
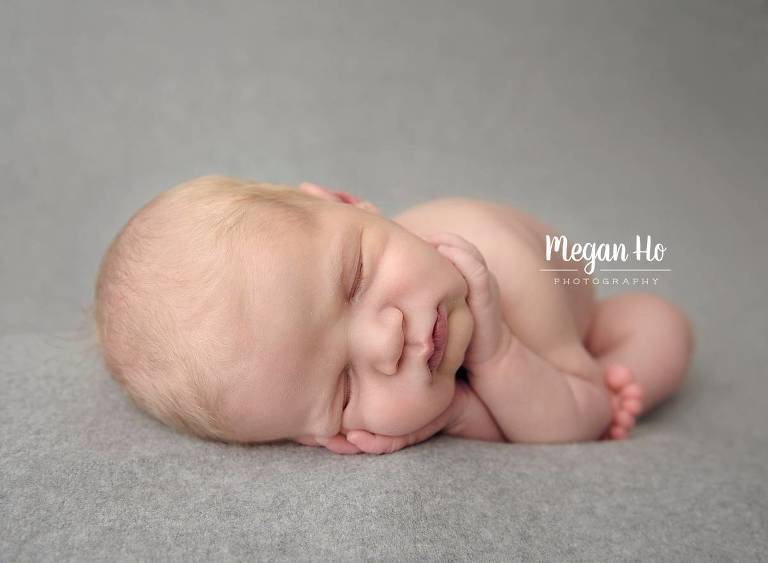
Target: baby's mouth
[(439, 338)]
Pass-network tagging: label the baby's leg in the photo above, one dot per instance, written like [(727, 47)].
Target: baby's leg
[(646, 334)]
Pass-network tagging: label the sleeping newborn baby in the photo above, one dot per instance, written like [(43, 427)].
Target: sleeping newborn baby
[(243, 311)]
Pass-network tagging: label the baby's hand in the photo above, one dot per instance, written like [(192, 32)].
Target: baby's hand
[(491, 338), (361, 441), (371, 443)]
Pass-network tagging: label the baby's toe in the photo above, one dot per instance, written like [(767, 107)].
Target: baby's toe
[(632, 390), (632, 406), (625, 420), (617, 376), (618, 433)]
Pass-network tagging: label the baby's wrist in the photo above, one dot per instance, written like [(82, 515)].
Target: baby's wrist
[(506, 356)]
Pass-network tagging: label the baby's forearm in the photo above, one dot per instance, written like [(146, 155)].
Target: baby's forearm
[(533, 401)]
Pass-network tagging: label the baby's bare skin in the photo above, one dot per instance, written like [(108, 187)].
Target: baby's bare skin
[(352, 299), (572, 346)]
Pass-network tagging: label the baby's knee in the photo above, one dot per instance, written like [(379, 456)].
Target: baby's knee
[(663, 312), (672, 325)]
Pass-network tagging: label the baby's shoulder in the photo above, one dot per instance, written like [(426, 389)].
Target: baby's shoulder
[(438, 214), (487, 224)]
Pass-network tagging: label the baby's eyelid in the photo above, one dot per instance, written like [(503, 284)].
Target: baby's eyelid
[(358, 276)]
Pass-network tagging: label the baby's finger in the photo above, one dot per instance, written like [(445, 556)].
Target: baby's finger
[(488, 337), (376, 443), (367, 442), (454, 240), (339, 444), (448, 237), (477, 275), (380, 444)]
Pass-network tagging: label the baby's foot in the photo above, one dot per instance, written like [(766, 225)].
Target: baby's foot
[(626, 399)]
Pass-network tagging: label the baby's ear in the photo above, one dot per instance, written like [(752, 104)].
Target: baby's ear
[(331, 195), (317, 191)]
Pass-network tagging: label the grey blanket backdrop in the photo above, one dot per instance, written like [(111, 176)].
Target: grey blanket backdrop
[(606, 119)]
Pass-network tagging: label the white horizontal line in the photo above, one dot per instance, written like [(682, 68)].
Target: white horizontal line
[(637, 270), (574, 270)]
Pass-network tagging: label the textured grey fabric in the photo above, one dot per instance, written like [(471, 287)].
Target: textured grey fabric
[(605, 119)]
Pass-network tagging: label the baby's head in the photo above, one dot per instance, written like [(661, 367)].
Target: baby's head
[(235, 310)]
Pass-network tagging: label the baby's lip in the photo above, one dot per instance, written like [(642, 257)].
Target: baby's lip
[(428, 343), (429, 347), (437, 340), (428, 351)]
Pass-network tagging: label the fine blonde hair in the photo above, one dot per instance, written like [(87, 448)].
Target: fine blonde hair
[(160, 306)]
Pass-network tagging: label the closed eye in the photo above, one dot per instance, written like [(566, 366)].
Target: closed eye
[(358, 277), (356, 285)]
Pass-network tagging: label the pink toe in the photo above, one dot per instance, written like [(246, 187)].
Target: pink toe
[(624, 419), (632, 390), (618, 376), (618, 433), (632, 406)]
